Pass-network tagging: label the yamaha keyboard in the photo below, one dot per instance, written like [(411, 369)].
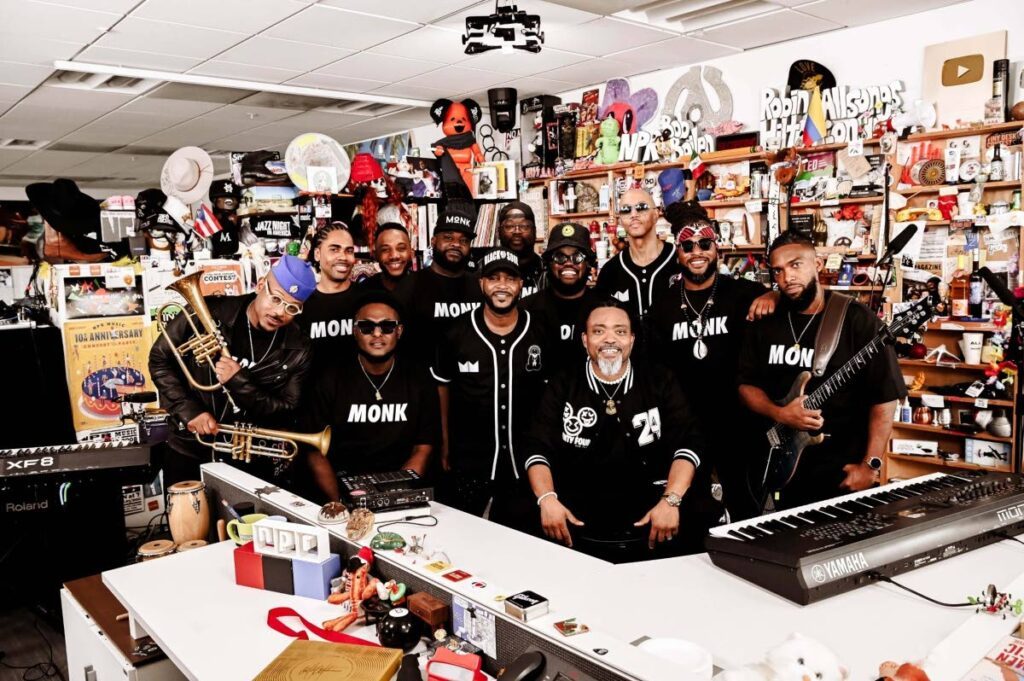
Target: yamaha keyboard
[(58, 459), (812, 552)]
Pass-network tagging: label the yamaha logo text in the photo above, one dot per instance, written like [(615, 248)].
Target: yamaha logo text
[(839, 567)]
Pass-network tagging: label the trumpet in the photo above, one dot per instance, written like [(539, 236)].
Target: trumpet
[(246, 440), (206, 344)]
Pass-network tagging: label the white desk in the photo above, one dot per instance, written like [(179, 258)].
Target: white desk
[(213, 629)]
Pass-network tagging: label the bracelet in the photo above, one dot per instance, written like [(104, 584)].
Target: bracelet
[(544, 496)]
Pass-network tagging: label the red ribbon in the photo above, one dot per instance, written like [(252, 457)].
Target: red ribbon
[(274, 616)]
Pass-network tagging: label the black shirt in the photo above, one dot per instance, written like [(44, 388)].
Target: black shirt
[(371, 436), (532, 270), (432, 303), (495, 383), (771, 360), (638, 286), (250, 344), (327, 319), (565, 319), (376, 282), (611, 469)]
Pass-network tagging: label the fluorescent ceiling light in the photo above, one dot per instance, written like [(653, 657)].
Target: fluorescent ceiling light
[(216, 81)]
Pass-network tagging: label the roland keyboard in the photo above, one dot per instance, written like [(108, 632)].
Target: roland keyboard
[(57, 459), (812, 552)]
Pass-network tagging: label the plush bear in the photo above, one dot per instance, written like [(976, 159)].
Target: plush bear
[(798, 658), (458, 149)]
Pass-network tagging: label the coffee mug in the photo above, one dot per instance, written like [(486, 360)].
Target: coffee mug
[(240, 531), (971, 347)]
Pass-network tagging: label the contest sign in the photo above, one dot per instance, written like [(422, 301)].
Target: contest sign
[(105, 358)]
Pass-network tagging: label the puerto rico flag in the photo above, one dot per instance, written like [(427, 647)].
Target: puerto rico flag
[(206, 224)]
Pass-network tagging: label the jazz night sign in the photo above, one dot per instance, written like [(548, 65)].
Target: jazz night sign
[(850, 113)]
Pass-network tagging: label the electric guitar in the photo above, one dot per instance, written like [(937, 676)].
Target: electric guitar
[(786, 445)]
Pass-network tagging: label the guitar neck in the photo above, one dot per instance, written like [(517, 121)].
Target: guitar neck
[(846, 372)]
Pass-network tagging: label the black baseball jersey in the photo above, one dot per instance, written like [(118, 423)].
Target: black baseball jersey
[(611, 469), (327, 320), (495, 383), (638, 286), (432, 303), (565, 319), (370, 435), (771, 359)]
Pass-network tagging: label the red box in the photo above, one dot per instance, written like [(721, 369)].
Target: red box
[(248, 566)]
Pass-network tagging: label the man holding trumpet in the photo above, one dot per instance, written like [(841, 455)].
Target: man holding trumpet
[(257, 381)]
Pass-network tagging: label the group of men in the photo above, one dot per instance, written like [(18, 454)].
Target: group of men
[(598, 415)]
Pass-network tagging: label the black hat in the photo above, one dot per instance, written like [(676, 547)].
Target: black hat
[(149, 210), (225, 242), (69, 211), (223, 189), (513, 206), (457, 216), (500, 259), (570, 234)]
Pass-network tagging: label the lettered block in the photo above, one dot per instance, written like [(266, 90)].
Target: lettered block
[(291, 540), (313, 580), (277, 574), (248, 567)]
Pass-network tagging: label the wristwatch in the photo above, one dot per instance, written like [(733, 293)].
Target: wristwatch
[(874, 463), (672, 499)]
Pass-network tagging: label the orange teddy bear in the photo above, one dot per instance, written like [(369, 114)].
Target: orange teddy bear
[(458, 149)]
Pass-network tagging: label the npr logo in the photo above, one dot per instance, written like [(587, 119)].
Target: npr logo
[(1012, 514)]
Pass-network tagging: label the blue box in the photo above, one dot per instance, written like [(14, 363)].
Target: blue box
[(313, 580)]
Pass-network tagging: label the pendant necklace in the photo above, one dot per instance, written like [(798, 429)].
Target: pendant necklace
[(609, 403), (252, 350), (792, 330), (377, 388), (700, 348)]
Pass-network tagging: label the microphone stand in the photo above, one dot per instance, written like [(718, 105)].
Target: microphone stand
[(887, 257)]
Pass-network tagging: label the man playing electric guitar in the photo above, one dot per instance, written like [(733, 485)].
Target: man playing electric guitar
[(857, 419)]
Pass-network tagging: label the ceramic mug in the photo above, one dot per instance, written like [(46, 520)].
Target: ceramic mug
[(971, 347), (240, 531)]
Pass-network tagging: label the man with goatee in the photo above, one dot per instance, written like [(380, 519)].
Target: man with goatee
[(327, 314), (393, 251), (517, 231)]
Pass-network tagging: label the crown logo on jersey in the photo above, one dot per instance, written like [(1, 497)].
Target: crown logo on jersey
[(469, 367), (622, 296)]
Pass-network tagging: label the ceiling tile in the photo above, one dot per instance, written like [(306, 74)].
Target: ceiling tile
[(25, 75), (49, 162), (29, 49), (262, 50), (859, 12), (104, 136), (603, 35), (9, 156), (775, 27), (519, 63), (42, 20), (674, 52), (552, 15), (311, 121), (136, 59), (430, 42), (413, 90), (388, 68), (248, 16), (120, 7), (412, 10), (337, 28), (227, 69), (604, 6), (83, 100), (246, 116), (250, 140), (158, 36), (532, 85), (43, 122), (322, 80), (367, 130), (154, 103), (194, 132), (594, 71), (9, 94), (458, 79)]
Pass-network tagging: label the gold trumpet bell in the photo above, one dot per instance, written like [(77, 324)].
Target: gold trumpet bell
[(245, 441)]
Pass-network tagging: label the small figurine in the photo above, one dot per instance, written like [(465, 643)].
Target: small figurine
[(996, 602), (361, 586), (608, 142), (664, 146), (893, 671), (458, 149), (795, 659)]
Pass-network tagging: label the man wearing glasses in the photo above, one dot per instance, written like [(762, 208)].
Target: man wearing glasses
[(643, 271), (517, 231), (565, 303), (697, 332), (382, 409), (270, 358)]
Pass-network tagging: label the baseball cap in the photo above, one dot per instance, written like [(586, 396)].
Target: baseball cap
[(457, 216), (570, 234), (149, 210), (223, 189), (514, 206), (295, 276), (500, 259), (673, 185)]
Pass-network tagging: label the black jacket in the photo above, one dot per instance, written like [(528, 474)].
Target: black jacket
[(269, 399)]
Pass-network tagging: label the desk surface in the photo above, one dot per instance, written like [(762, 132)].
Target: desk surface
[(213, 629)]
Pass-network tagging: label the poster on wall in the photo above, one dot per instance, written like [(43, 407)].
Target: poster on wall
[(105, 358)]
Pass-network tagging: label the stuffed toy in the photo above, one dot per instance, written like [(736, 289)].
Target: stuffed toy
[(798, 658), (458, 149), (893, 671), (608, 143), (374, 191), (360, 586), (630, 110)]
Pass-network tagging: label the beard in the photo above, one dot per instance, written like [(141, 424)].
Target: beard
[(800, 303), (709, 272), (500, 310), (568, 290), (610, 367), (445, 264)]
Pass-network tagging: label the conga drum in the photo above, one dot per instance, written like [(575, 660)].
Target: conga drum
[(152, 550), (187, 512), (191, 544)]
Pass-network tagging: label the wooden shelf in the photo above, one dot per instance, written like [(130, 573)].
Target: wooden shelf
[(836, 287), (942, 432), (934, 189), (936, 461), (834, 146), (961, 400), (832, 203), (736, 155), (934, 365), (827, 250), (936, 223), (742, 247), (727, 203), (946, 325), (570, 216), (965, 132)]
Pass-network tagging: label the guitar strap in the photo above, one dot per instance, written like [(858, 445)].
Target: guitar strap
[(827, 339)]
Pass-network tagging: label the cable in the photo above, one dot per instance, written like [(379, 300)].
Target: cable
[(39, 670), (882, 578), (1009, 536), (409, 520)]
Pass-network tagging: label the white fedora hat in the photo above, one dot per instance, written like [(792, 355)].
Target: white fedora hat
[(187, 174)]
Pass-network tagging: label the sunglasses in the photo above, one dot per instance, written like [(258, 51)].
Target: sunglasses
[(641, 207), (577, 258), (705, 245), (367, 326), (291, 309)]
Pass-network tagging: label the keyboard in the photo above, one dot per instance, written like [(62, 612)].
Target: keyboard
[(812, 552), (57, 459)]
